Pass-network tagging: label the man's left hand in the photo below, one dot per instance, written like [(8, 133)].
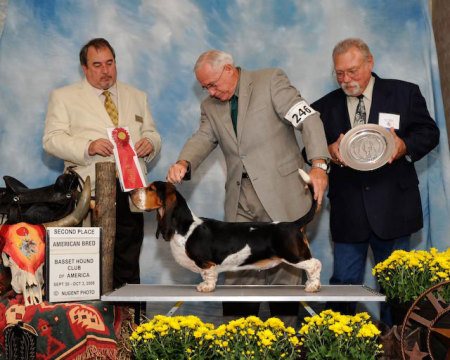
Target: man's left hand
[(400, 147), (319, 180), (143, 147)]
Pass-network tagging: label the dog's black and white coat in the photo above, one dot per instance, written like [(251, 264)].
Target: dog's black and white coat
[(209, 246)]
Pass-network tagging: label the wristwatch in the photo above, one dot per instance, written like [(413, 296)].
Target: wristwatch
[(320, 165)]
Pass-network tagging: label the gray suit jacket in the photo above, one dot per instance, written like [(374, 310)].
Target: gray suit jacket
[(76, 115), (265, 144)]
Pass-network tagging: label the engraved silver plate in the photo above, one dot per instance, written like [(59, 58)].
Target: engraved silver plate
[(367, 147)]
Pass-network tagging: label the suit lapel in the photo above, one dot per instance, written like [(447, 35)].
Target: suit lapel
[(124, 101), (92, 100), (342, 108), (224, 114), (245, 91), (380, 97)]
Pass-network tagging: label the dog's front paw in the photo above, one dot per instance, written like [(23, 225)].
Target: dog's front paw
[(205, 287), (312, 286)]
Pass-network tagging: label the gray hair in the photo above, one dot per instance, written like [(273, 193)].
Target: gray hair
[(215, 58), (345, 45)]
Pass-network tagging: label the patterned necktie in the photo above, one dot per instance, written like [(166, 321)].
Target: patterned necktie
[(234, 111), (360, 115), (111, 108)]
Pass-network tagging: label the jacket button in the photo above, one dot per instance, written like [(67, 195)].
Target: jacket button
[(238, 183)]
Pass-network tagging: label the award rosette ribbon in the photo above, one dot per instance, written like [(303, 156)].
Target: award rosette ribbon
[(127, 163)]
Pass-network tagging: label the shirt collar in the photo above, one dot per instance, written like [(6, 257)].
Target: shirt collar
[(236, 92), (112, 90), (368, 91)]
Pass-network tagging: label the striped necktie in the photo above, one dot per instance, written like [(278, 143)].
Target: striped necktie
[(111, 108), (360, 115)]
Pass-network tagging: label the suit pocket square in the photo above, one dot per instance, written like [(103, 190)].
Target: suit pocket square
[(139, 118)]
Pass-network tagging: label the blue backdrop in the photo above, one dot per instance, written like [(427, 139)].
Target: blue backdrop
[(157, 43)]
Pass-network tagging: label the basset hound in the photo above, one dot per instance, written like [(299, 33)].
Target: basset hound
[(209, 246)]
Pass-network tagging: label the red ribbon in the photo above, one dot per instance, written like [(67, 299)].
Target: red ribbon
[(130, 172)]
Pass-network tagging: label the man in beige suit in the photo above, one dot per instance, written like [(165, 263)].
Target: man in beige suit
[(76, 131), (252, 116)]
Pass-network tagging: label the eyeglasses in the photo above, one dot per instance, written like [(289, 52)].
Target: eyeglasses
[(352, 73), (213, 85)]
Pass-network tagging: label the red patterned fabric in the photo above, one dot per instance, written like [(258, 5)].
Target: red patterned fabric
[(69, 331)]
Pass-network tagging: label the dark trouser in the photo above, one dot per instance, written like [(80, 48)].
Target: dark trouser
[(349, 265), (128, 242)]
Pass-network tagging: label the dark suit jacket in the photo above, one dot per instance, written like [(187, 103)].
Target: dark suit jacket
[(387, 200)]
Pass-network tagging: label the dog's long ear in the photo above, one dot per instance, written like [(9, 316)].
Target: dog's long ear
[(167, 193)]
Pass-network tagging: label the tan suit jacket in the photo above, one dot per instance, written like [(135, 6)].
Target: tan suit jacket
[(76, 115), (265, 144)]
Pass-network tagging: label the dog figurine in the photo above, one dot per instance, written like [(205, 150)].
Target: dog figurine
[(209, 246)]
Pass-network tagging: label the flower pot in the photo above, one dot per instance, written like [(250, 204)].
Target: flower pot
[(398, 311)]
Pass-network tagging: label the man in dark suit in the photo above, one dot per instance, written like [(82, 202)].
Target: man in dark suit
[(380, 208)]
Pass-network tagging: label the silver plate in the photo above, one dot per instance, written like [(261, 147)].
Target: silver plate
[(367, 147)]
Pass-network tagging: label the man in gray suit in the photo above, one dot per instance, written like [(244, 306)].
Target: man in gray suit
[(252, 116), (76, 131)]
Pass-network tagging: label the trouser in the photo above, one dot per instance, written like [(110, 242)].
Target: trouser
[(251, 209), (128, 242), (349, 265)]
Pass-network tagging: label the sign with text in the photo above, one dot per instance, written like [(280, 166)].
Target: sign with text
[(73, 259)]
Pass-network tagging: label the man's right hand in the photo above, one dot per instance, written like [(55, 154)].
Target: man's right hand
[(102, 147), (177, 171), (333, 149)]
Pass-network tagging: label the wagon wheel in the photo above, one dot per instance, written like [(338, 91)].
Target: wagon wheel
[(429, 315)]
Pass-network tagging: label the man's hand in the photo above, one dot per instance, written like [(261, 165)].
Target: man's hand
[(333, 149), (177, 171), (143, 147), (102, 147), (400, 147), (319, 180)]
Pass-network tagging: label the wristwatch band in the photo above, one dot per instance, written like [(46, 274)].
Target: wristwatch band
[(320, 165)]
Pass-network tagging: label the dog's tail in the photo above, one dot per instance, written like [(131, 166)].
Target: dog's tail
[(305, 219)]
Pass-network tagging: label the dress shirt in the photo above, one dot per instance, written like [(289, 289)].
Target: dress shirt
[(352, 101), (113, 92)]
